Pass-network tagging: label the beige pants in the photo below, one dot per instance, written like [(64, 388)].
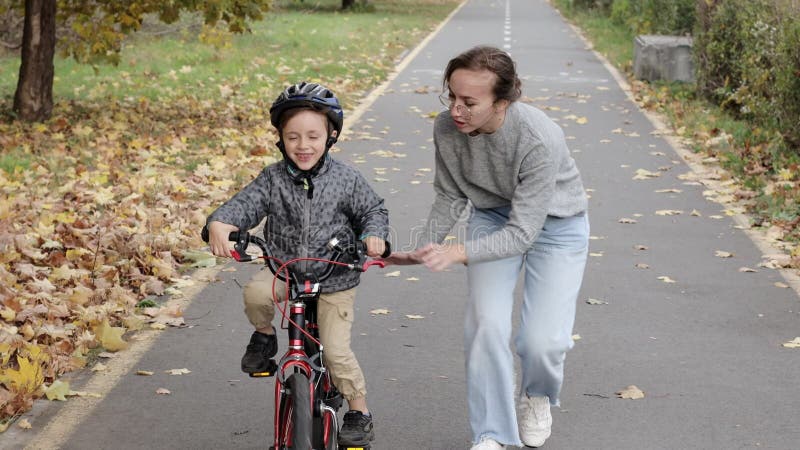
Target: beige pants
[(335, 318)]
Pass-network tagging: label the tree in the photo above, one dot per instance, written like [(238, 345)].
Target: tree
[(96, 31)]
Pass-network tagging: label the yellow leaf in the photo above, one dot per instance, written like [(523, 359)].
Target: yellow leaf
[(24, 424), (631, 392), (396, 273), (382, 311), (8, 315), (414, 316), (110, 337), (57, 391), (26, 379), (80, 295), (75, 253), (666, 279)]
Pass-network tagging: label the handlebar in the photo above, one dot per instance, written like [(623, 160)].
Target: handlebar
[(358, 253)]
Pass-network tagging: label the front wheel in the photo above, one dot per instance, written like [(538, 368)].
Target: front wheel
[(300, 388)]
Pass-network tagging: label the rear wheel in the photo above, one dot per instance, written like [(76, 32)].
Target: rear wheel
[(300, 388)]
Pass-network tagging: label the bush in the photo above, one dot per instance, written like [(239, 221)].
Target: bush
[(748, 61), (655, 16), (787, 83)]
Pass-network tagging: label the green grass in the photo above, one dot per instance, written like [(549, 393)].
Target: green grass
[(14, 159), (611, 40), (297, 40)]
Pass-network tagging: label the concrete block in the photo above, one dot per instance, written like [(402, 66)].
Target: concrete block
[(657, 57)]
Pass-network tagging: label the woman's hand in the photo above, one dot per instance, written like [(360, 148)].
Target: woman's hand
[(375, 246), (218, 233), (402, 259), (439, 257)]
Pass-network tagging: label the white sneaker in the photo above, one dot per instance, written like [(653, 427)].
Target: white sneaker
[(488, 444), (534, 420)]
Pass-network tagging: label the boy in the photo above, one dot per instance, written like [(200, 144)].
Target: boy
[(308, 198)]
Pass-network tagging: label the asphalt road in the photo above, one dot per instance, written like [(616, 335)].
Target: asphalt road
[(705, 349)]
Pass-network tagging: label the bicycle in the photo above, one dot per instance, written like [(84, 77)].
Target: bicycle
[(306, 400)]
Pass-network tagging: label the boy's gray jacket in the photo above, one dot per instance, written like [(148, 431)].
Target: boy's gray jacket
[(343, 205)]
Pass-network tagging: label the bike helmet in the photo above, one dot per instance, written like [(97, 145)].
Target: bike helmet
[(303, 94), (316, 96)]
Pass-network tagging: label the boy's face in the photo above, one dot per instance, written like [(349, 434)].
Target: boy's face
[(304, 137)]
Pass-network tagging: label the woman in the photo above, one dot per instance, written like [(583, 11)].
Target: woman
[(528, 213)]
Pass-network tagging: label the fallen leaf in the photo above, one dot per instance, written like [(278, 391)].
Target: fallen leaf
[(666, 279), (110, 337), (57, 391), (162, 391), (794, 343), (99, 367), (626, 220), (381, 311), (412, 279), (722, 254), (144, 373), (183, 371), (781, 285), (642, 266), (396, 273), (747, 269), (414, 316), (594, 301), (576, 337), (640, 247), (668, 212), (24, 424), (642, 174), (631, 392)]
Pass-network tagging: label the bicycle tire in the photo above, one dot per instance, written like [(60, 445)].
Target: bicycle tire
[(302, 419)]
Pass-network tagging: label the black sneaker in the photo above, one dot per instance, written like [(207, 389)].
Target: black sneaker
[(261, 348), (356, 430)]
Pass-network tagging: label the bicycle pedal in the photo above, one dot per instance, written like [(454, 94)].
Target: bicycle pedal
[(349, 447), (272, 368)]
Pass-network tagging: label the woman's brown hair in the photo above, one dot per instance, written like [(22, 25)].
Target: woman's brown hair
[(483, 57)]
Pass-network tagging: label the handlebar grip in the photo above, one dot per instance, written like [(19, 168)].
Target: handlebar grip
[(204, 234), (388, 252)]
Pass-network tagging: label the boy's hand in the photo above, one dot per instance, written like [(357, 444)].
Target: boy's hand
[(218, 233), (375, 246)]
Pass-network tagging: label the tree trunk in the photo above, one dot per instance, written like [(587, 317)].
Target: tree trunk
[(346, 4), (33, 100)]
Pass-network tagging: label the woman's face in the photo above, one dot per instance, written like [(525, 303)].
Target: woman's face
[(304, 136), (472, 103)]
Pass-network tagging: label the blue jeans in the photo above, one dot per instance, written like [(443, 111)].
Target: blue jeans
[(553, 269)]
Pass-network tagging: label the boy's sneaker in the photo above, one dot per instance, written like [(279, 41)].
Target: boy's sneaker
[(356, 429), (488, 444), (261, 348), (534, 420)]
